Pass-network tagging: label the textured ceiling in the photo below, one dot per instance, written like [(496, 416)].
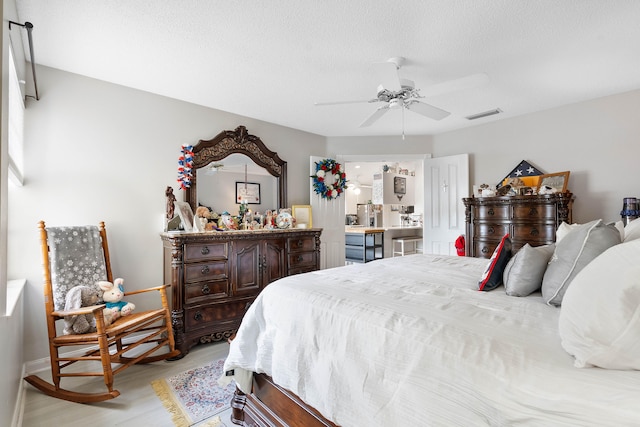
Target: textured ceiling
[(273, 60)]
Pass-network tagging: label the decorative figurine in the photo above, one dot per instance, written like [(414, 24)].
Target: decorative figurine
[(170, 202)]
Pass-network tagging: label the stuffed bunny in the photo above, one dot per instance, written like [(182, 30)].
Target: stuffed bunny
[(112, 297), (83, 296)]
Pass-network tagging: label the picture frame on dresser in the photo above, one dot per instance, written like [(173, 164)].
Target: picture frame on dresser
[(186, 215), (302, 215), (558, 181)]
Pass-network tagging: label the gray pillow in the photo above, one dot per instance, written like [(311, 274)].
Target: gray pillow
[(525, 270), (572, 254)]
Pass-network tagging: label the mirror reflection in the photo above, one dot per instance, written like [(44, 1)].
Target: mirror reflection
[(223, 185)]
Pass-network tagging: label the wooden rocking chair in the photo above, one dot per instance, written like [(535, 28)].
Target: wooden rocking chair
[(80, 256)]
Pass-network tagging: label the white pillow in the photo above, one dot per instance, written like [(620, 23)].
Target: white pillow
[(563, 230), (581, 245), (620, 226), (632, 230), (600, 314)]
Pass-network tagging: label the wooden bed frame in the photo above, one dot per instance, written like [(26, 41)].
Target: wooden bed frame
[(270, 405)]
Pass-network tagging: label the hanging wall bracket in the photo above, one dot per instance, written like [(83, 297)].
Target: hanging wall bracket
[(29, 27)]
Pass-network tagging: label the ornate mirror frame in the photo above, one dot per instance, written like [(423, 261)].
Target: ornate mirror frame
[(238, 141)]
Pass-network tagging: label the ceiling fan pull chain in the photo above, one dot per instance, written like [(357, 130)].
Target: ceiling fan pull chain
[(403, 123)]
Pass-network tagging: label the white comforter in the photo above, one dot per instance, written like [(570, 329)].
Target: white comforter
[(410, 341)]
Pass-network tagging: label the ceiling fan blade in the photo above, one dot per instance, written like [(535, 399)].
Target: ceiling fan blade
[(427, 110), (375, 116), (363, 101), (387, 75), (468, 82)]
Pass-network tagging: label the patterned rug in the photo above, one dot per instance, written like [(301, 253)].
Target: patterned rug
[(194, 397)]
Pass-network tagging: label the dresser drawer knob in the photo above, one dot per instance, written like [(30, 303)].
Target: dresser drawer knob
[(204, 250), (491, 230), (197, 316), (533, 212), (299, 243), (205, 289), (299, 258), (205, 269), (485, 250), (534, 232), (491, 212)]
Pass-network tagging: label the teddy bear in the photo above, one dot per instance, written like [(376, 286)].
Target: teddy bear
[(112, 297), (83, 296)]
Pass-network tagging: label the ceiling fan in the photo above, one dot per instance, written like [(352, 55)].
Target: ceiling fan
[(399, 94), (213, 167)]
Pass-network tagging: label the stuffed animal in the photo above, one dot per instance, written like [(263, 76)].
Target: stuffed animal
[(83, 296), (112, 297)]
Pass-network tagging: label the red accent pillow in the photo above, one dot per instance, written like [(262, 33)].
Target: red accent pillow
[(492, 276)]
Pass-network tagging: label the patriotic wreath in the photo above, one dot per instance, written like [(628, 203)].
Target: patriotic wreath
[(329, 180), (185, 166)]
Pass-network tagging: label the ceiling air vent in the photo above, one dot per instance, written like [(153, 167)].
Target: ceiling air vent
[(484, 114)]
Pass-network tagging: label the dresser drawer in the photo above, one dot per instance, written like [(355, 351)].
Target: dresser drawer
[(208, 315), (213, 270), (495, 231), (537, 212), (534, 233), (493, 212), (484, 248), (205, 291), (302, 244), (204, 251), (302, 260)]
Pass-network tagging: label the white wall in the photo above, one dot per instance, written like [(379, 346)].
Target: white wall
[(598, 141), (11, 309), (97, 151)]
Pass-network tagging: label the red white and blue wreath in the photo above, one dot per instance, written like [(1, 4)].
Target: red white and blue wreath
[(185, 166), (329, 180)]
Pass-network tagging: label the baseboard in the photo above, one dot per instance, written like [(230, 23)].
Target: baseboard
[(18, 410)]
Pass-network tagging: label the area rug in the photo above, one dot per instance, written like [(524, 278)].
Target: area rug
[(194, 397)]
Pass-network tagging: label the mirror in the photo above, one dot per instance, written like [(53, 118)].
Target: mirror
[(266, 172)]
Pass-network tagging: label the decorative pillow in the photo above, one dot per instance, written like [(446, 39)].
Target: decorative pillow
[(572, 254), (620, 226), (563, 230), (600, 315), (632, 230), (525, 270), (492, 276)]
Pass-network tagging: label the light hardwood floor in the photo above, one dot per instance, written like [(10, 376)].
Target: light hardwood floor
[(137, 404)]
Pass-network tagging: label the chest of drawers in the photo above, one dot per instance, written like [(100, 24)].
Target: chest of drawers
[(214, 277), (527, 219)]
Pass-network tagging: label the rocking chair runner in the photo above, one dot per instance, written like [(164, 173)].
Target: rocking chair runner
[(80, 256)]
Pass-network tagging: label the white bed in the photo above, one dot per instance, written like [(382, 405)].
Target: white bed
[(368, 344)]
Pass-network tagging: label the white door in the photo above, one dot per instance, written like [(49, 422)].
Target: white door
[(330, 216), (446, 183)]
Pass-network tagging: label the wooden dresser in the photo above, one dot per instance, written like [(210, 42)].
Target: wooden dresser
[(215, 276), (527, 219)]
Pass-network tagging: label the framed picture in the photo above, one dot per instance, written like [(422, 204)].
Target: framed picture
[(557, 181), (186, 215), (248, 192), (302, 214), (399, 185)]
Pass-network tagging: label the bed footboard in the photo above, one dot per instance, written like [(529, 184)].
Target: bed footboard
[(269, 405)]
